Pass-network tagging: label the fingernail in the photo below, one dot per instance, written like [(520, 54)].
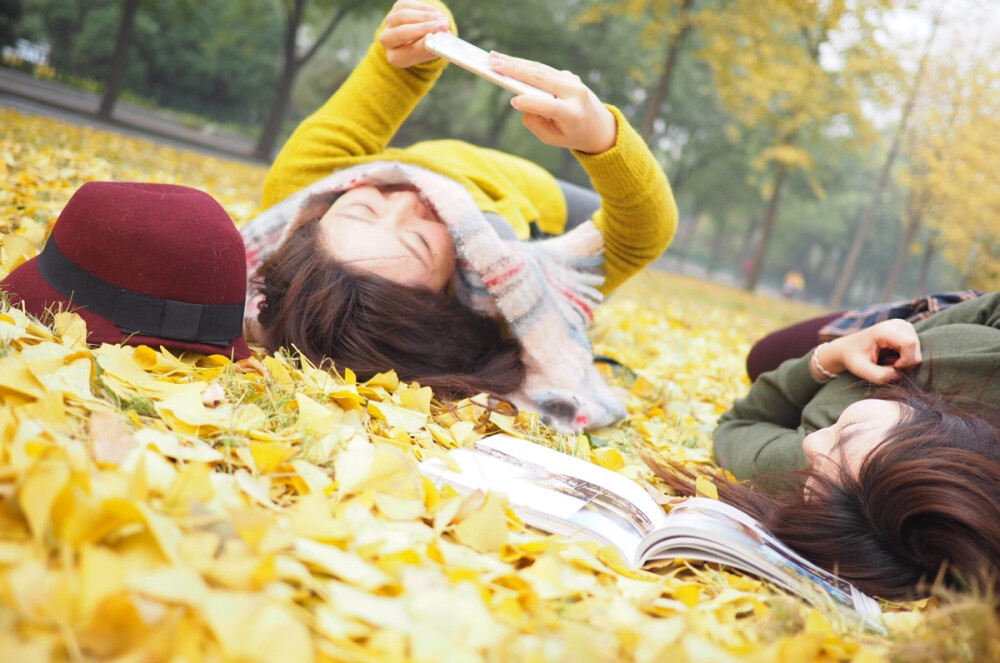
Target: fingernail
[(516, 102), (496, 59)]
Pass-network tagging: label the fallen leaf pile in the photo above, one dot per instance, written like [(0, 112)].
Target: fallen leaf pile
[(185, 508)]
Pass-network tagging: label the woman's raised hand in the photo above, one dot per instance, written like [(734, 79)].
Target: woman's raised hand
[(859, 352), (575, 118), (406, 25)]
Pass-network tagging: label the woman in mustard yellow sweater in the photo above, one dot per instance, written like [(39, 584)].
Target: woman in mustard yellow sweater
[(380, 258)]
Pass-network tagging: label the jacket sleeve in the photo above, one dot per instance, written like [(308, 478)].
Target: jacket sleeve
[(359, 119), (638, 215), (762, 434)]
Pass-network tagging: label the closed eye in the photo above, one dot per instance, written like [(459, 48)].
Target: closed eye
[(423, 240), (426, 255), (846, 433), (364, 206)]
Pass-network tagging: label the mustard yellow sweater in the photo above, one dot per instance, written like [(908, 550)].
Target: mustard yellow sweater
[(638, 215)]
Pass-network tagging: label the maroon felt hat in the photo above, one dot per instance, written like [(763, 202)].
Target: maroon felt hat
[(143, 264)]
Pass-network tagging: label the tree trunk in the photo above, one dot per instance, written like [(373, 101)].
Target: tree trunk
[(113, 83), (682, 243), (290, 67), (276, 116), (837, 298), (662, 90), (500, 114), (718, 241), (930, 249), (757, 268), (902, 253), (975, 250), (748, 235)]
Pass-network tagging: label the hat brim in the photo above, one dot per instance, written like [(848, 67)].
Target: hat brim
[(26, 285)]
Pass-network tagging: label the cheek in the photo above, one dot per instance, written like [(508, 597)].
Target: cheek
[(442, 245), (863, 448)]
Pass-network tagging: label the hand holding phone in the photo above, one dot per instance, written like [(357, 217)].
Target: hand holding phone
[(572, 116), (476, 60)]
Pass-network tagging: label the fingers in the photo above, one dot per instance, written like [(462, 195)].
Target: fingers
[(559, 83), (859, 352), (899, 335), (880, 374), (406, 25), (573, 117), (405, 8), (405, 32)]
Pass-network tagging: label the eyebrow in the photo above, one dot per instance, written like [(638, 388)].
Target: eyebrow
[(846, 435), (408, 244)]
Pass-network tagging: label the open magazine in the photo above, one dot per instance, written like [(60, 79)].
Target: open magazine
[(565, 495)]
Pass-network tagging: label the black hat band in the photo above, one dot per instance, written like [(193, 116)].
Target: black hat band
[(136, 313)]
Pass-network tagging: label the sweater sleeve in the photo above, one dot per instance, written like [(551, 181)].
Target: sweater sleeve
[(638, 215), (359, 119), (762, 434)]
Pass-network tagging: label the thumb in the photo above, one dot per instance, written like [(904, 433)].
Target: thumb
[(536, 124)]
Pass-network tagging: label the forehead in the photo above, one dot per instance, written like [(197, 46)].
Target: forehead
[(874, 410), (352, 239)]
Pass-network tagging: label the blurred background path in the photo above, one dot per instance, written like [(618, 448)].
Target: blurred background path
[(31, 95)]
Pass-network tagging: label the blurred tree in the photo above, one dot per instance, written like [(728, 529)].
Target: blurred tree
[(294, 56), (770, 75), (956, 165), (211, 57), (10, 14), (112, 84), (217, 60), (861, 233), (664, 24), (913, 219)]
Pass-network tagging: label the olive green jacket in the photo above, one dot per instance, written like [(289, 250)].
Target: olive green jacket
[(762, 434)]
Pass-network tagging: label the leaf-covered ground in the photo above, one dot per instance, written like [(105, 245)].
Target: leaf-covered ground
[(155, 507)]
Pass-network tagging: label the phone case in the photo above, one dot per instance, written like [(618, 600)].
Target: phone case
[(474, 59)]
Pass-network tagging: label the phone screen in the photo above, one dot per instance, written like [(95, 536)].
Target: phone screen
[(476, 60)]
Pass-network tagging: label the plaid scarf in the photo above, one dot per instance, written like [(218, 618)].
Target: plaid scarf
[(545, 291), (913, 310)]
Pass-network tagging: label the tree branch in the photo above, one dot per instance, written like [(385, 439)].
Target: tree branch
[(328, 30)]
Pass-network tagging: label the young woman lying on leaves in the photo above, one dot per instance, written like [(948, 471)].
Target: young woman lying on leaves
[(891, 487), (398, 259)]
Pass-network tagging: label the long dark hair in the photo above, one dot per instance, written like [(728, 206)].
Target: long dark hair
[(364, 322), (925, 505)]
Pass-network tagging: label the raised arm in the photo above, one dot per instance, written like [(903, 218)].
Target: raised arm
[(366, 111), (638, 215), (762, 435)]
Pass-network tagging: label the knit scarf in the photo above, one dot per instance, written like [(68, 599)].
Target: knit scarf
[(545, 291)]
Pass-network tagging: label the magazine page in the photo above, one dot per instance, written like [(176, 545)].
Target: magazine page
[(709, 530), (555, 492)]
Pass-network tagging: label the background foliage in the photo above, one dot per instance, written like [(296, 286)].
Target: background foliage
[(773, 122)]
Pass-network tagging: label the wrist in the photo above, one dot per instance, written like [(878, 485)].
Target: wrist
[(820, 370), (607, 137)]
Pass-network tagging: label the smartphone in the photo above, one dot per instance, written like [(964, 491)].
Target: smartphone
[(476, 60)]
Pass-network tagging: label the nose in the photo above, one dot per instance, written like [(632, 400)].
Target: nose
[(817, 445)]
